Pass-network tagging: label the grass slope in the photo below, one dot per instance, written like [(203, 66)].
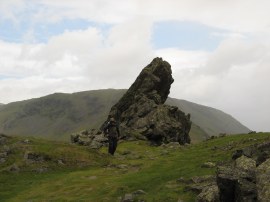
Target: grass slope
[(210, 120), (58, 115), (136, 165)]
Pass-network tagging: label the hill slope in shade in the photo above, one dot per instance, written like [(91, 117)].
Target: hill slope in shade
[(212, 121), (58, 115)]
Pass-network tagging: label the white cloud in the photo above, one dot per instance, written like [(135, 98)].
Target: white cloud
[(233, 78), (75, 61), (235, 15), (9, 8)]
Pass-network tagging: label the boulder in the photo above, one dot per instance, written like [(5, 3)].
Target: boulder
[(245, 163), (94, 139), (36, 157), (139, 192), (3, 139), (3, 154), (198, 184), (209, 194), (263, 181), (14, 168), (208, 165), (81, 138), (236, 184), (141, 111), (128, 198), (95, 145)]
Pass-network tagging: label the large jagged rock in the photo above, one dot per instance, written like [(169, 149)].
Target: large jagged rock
[(141, 112)]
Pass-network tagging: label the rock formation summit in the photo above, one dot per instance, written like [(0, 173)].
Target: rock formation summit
[(141, 112)]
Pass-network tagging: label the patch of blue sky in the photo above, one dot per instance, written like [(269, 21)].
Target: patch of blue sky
[(9, 32), (44, 31), (4, 77), (41, 32), (185, 35)]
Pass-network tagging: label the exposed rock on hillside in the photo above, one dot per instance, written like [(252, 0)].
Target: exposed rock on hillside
[(141, 111), (246, 179), (93, 139)]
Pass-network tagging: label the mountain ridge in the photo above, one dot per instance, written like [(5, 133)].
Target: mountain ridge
[(57, 115)]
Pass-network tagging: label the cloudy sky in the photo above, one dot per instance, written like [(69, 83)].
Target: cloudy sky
[(219, 49)]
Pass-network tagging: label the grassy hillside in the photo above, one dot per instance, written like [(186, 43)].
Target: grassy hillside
[(58, 115), (87, 175), (210, 120)]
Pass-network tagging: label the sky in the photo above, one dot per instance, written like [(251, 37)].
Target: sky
[(219, 50)]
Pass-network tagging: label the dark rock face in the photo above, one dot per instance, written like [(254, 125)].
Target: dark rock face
[(141, 110)]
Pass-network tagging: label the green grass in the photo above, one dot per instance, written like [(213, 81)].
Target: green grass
[(152, 169)]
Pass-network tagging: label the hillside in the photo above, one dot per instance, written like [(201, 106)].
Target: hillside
[(210, 120), (58, 115), (40, 170)]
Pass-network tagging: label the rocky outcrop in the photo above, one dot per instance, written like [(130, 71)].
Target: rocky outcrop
[(263, 181), (245, 179), (141, 112), (236, 184), (248, 178), (94, 139)]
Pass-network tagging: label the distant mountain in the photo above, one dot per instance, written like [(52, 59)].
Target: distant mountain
[(58, 115), (210, 120)]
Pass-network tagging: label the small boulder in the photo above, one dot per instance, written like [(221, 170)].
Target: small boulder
[(209, 194), (26, 141), (122, 166), (60, 162), (14, 168), (208, 165), (2, 160), (128, 198), (36, 157), (3, 139), (139, 192), (172, 145), (95, 145), (3, 154)]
